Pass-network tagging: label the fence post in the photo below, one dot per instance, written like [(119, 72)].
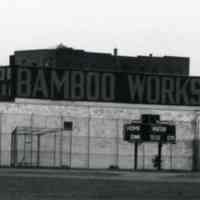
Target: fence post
[(54, 151), (171, 156), (31, 149), (60, 150), (88, 142), (38, 150), (61, 143), (143, 157), (70, 150), (1, 138), (195, 145), (117, 144)]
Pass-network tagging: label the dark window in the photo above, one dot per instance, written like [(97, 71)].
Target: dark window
[(68, 126)]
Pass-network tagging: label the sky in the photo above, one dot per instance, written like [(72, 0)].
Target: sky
[(135, 27)]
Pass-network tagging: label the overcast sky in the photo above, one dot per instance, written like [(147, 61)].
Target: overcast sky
[(135, 27)]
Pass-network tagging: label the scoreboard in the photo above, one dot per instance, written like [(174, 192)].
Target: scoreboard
[(148, 132)]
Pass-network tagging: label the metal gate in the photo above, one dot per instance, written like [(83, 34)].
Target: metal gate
[(36, 147)]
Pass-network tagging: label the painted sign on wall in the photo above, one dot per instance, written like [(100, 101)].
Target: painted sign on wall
[(64, 84)]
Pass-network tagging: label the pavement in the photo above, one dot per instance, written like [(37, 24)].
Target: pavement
[(59, 184), (152, 176)]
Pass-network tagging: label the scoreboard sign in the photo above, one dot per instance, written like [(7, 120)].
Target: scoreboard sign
[(77, 85), (149, 132), (132, 132)]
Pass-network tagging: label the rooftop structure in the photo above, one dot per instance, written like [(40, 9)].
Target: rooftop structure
[(65, 57)]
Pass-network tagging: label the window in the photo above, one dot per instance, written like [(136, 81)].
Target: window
[(68, 126)]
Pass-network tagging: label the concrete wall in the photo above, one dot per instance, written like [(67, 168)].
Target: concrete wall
[(96, 140)]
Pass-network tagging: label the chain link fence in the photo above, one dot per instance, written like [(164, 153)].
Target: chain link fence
[(92, 143)]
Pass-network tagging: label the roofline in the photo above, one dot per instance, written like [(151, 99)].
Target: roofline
[(102, 53)]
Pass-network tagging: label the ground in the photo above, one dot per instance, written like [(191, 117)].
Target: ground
[(43, 184)]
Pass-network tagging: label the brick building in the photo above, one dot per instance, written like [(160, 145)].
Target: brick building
[(48, 124), (83, 60)]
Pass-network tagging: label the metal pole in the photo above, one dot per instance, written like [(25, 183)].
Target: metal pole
[(89, 124), (38, 150), (61, 143), (196, 145), (61, 146), (117, 145), (24, 157), (54, 151), (143, 160), (1, 138), (88, 156), (31, 149), (170, 156), (70, 150), (12, 149), (15, 148), (135, 155), (159, 155)]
